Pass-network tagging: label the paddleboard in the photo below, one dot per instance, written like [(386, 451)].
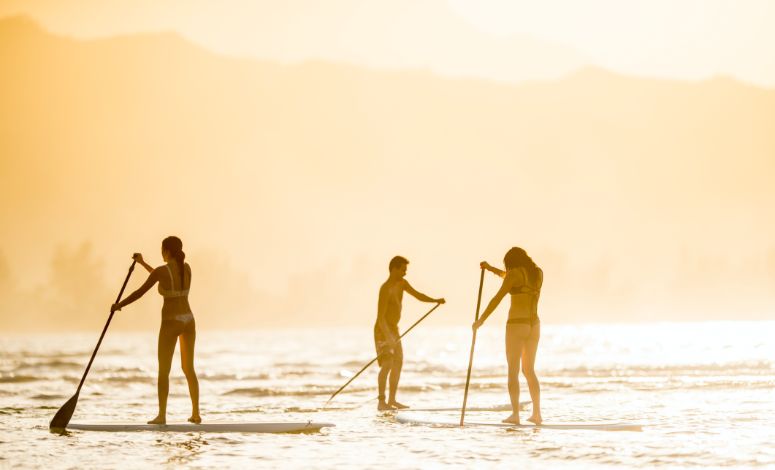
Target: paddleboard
[(206, 427), (408, 418)]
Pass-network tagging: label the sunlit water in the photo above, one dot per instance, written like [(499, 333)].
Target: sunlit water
[(704, 392)]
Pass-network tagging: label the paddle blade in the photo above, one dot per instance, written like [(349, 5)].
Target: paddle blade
[(62, 418)]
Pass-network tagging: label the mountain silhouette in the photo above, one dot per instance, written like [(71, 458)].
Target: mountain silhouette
[(95, 133)]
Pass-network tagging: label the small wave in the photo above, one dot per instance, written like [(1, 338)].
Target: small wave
[(556, 384), (706, 385), (53, 364), (426, 368), (717, 369), (324, 390), (151, 377), (297, 409), (438, 386), (353, 364), (272, 392), (46, 396), (255, 409), (129, 369), (227, 377), (298, 365), (297, 373), (132, 379), (659, 384), (19, 379), (27, 355)]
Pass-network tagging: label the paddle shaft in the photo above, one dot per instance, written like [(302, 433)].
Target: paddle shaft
[(104, 330), (375, 359), (473, 343)]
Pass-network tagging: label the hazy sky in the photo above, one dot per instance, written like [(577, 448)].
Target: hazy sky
[(501, 39), (292, 186)]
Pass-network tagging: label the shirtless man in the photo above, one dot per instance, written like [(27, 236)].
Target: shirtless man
[(390, 354)]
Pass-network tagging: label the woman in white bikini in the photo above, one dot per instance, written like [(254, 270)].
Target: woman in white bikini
[(177, 321), (522, 279)]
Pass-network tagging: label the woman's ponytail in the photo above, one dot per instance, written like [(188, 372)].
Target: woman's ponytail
[(175, 247)]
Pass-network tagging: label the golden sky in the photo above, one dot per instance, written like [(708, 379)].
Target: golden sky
[(293, 183), (500, 39)]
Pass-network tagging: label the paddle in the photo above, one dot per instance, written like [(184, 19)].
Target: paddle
[(473, 343), (375, 359), (66, 412)]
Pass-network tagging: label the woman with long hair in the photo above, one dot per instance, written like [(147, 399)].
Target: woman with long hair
[(522, 279), (177, 321)]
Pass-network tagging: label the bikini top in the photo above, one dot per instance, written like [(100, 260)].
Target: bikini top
[(172, 293), (526, 288)]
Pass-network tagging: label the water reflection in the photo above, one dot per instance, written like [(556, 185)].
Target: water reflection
[(182, 451)]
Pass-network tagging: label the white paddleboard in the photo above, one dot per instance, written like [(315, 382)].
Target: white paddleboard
[(408, 418), (206, 427)]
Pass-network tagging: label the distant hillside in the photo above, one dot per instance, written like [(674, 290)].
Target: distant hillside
[(394, 34), (124, 134)]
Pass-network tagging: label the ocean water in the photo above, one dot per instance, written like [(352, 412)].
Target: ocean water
[(704, 393)]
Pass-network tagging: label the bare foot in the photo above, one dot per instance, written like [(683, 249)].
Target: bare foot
[(196, 419), (158, 420), (536, 419), (513, 419), (382, 406), (398, 406)]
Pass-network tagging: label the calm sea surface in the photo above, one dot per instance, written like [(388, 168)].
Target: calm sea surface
[(704, 391)]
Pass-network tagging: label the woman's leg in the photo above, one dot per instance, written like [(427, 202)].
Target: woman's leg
[(167, 339), (187, 343), (515, 339), (528, 369)]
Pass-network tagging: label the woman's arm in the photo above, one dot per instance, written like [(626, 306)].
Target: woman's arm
[(508, 283), (153, 278), (492, 269), (139, 258)]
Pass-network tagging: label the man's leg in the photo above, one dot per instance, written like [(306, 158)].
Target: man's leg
[(381, 383), (395, 376)]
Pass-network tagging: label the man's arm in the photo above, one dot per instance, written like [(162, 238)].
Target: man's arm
[(419, 295)]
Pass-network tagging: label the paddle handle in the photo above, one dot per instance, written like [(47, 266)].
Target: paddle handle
[(418, 321), (351, 379), (105, 329), (473, 343), (375, 359)]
